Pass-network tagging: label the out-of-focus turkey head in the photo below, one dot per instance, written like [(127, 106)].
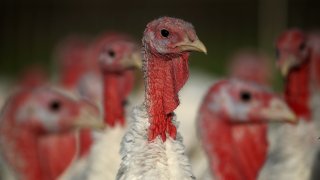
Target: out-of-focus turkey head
[(73, 60), (171, 36), (117, 52), (241, 101), (252, 66), (292, 50), (49, 110)]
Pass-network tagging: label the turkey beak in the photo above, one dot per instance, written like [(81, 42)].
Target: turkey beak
[(132, 61), (89, 118), (278, 110), (286, 65), (196, 45)]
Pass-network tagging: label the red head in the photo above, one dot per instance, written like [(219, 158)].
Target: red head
[(250, 66), (73, 61), (231, 124), (167, 43), (292, 50), (44, 110), (294, 63), (165, 36), (117, 55), (31, 115), (241, 101)]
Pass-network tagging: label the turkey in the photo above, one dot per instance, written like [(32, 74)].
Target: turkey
[(250, 65), (72, 60), (152, 148), (118, 56), (294, 148), (246, 64), (232, 126), (28, 118)]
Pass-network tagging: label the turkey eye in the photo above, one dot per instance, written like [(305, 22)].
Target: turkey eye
[(55, 106), (111, 53), (164, 33), (245, 96), (302, 46)]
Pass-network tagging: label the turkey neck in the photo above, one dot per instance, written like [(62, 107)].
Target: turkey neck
[(297, 90), (116, 88), (70, 77), (164, 75), (235, 151), (21, 153)]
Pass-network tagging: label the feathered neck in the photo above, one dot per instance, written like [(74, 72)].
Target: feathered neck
[(297, 91), (164, 75), (116, 88), (235, 151)]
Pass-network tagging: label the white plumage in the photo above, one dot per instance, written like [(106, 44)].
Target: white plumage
[(142, 159), (293, 149), (104, 159), (191, 97)]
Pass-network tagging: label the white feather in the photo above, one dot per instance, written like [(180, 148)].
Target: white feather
[(293, 149), (142, 160)]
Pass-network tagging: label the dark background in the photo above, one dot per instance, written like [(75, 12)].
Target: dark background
[(29, 30)]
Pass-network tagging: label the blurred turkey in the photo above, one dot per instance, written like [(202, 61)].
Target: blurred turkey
[(152, 148), (246, 64), (232, 126), (251, 65), (28, 119), (72, 61), (118, 55), (294, 149)]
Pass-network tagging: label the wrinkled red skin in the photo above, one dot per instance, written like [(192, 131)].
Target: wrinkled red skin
[(116, 88), (165, 78), (297, 92), (236, 151)]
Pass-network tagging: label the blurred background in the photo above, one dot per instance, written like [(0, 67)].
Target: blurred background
[(30, 30)]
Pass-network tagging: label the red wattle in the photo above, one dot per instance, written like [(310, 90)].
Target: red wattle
[(165, 78), (236, 151), (297, 92), (117, 87), (56, 153)]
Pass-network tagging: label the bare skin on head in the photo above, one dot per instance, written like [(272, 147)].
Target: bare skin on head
[(31, 115), (118, 55), (232, 125), (167, 42)]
